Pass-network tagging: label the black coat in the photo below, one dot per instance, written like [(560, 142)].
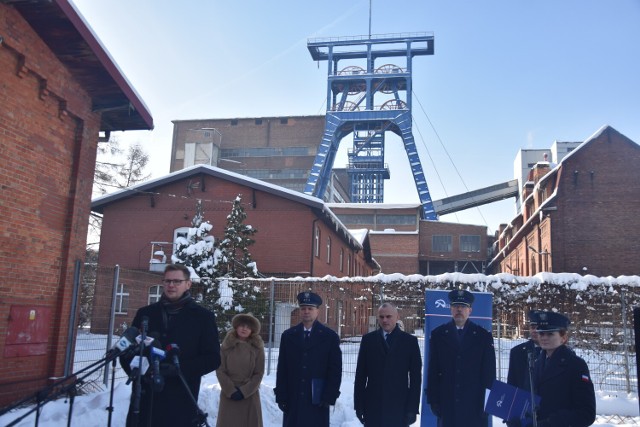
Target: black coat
[(519, 364), (566, 391), (388, 378), (194, 330), (459, 373), (298, 365)]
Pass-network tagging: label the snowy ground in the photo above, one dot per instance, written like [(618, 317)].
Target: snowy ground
[(90, 410)]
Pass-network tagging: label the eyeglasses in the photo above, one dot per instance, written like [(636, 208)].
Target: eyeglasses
[(173, 281)]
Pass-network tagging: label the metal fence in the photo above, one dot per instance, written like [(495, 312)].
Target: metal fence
[(602, 331)]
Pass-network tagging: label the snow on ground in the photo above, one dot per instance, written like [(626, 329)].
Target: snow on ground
[(90, 410)]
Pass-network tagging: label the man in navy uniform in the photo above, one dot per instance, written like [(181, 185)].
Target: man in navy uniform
[(522, 356), (309, 368), (462, 364), (388, 374)]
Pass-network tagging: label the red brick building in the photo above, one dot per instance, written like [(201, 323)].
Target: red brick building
[(297, 234), (402, 243), (59, 90), (579, 216)]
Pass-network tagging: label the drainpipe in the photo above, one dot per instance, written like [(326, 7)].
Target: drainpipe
[(313, 247)]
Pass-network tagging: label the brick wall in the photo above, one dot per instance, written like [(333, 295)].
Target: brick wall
[(48, 135)]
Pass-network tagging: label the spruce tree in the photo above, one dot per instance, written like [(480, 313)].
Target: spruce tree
[(199, 252), (236, 242)]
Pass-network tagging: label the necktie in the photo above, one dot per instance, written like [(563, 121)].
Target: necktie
[(306, 336)]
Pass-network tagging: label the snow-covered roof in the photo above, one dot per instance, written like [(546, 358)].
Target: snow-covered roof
[(148, 187), (375, 205)]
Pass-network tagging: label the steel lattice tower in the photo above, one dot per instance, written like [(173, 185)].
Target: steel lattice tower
[(367, 102)]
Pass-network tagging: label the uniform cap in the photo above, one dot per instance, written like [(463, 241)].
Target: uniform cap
[(309, 299), (461, 297), (549, 321)]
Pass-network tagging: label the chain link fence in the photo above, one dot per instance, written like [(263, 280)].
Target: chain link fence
[(601, 314)]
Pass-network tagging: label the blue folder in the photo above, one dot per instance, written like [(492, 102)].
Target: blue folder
[(509, 403)]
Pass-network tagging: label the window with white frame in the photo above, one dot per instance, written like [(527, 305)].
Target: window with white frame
[(155, 292), (317, 242), (469, 243), (122, 299), (178, 233), (328, 250), (441, 243), (341, 259)]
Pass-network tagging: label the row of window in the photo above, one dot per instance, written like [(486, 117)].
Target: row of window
[(283, 121), (264, 152), (349, 219), (444, 243), (358, 270), (276, 173), (122, 297)]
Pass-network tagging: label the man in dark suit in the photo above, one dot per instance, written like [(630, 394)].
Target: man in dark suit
[(309, 368), (462, 364), (519, 362), (175, 319), (388, 374)]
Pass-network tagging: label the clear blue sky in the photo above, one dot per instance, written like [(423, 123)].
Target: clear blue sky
[(505, 75)]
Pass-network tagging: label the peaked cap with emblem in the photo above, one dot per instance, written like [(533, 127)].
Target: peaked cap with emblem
[(549, 321), (309, 299), (461, 297)]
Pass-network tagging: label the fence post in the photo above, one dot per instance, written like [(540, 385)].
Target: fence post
[(624, 340), (499, 352), (116, 279), (271, 320)]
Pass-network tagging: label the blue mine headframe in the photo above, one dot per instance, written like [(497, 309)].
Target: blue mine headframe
[(367, 101)]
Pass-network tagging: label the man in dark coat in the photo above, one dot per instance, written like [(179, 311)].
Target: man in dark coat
[(386, 391), (309, 368), (519, 363), (462, 364), (175, 319)]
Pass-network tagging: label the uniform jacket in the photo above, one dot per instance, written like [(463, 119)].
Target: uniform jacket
[(459, 373), (242, 367), (519, 364), (194, 330), (298, 365), (566, 391), (388, 378)]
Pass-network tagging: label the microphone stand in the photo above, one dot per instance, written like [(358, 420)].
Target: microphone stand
[(137, 389), (534, 410), (113, 378), (59, 387), (201, 418)]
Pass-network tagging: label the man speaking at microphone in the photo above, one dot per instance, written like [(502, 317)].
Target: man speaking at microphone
[(176, 319)]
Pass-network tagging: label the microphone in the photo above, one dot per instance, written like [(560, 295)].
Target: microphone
[(140, 363), (125, 342), (145, 327), (156, 355), (174, 351)]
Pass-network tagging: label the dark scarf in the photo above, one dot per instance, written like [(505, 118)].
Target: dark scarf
[(174, 307)]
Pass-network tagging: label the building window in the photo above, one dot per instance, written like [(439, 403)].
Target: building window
[(469, 243), (258, 121), (356, 219), (317, 242), (284, 121), (441, 244), (234, 122), (328, 250), (341, 259), (349, 265), (180, 237), (122, 299), (396, 219), (155, 292)]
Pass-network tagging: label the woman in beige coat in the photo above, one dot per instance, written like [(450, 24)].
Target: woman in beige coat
[(240, 374)]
